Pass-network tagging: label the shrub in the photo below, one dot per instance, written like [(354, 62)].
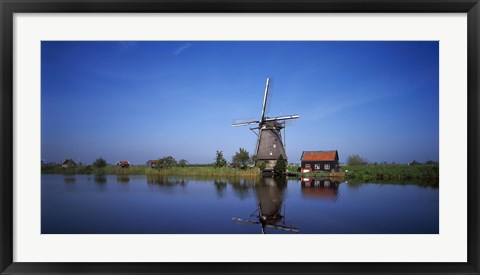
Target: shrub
[(241, 159), (356, 160), (280, 166)]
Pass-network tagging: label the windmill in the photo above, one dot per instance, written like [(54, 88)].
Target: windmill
[(269, 142)]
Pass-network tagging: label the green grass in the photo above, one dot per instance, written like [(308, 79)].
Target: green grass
[(384, 173), (204, 171), (368, 173), (390, 172), (144, 170)]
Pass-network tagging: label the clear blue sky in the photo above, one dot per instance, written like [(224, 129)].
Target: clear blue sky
[(144, 100)]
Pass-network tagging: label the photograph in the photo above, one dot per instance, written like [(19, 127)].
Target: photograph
[(239, 137)]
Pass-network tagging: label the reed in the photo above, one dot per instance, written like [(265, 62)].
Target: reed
[(144, 170), (392, 172), (204, 171)]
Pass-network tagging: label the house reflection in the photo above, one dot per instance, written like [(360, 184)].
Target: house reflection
[(324, 189), (270, 193)]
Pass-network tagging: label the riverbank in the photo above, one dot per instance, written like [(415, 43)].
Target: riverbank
[(367, 173), (392, 172), (144, 170), (380, 173)]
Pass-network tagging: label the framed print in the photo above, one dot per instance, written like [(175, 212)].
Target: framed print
[(239, 137)]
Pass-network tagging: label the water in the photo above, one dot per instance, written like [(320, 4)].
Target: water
[(136, 204)]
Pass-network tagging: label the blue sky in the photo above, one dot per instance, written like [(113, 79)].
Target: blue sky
[(144, 100)]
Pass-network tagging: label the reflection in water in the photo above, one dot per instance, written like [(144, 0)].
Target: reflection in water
[(166, 181), (100, 179), (123, 178), (221, 187), (98, 204), (270, 193), (241, 187), (69, 178), (326, 189)]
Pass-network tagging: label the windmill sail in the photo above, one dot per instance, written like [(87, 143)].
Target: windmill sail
[(265, 100)]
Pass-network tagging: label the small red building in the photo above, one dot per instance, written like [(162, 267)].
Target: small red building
[(123, 163), (321, 161), (152, 163)]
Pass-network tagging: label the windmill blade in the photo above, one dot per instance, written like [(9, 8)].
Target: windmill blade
[(270, 96), (265, 100), (244, 123), (274, 226), (282, 118), (290, 122)]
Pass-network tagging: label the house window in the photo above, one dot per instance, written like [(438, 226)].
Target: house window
[(317, 166), (274, 145), (327, 166), (307, 165), (326, 183), (271, 153)]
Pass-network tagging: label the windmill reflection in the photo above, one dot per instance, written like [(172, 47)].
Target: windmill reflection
[(270, 193), (325, 189)]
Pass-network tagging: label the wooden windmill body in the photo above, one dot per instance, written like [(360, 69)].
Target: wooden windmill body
[(269, 142)]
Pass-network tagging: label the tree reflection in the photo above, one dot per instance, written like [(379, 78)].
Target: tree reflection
[(241, 187), (123, 178), (221, 187), (100, 179), (166, 181), (69, 178)]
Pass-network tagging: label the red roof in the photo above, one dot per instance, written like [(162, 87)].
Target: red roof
[(124, 162), (153, 161), (319, 155)]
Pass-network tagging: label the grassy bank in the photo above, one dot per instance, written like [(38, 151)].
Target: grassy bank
[(367, 173), (382, 173), (392, 172), (144, 170)]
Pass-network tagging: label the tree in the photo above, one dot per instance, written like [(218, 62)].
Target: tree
[(166, 162), (100, 163), (241, 159), (356, 160), (414, 163), (220, 161), (254, 159), (262, 165), (280, 166), (183, 162)]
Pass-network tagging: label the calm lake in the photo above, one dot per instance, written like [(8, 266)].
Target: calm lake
[(137, 204)]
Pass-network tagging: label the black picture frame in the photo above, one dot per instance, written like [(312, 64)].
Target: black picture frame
[(9, 7)]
